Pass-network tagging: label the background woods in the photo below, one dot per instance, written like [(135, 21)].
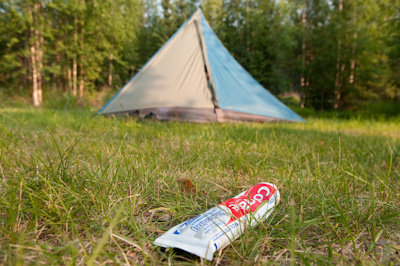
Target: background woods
[(335, 54)]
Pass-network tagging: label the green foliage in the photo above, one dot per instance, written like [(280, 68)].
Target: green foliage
[(381, 109), (65, 101), (339, 54)]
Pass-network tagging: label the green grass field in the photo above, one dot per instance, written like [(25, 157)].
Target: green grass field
[(80, 189)]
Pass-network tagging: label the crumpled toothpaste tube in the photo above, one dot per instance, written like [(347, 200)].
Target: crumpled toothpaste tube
[(216, 228)]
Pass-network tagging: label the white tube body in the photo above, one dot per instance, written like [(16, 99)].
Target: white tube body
[(216, 228)]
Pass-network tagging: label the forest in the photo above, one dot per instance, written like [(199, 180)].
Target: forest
[(78, 188), (333, 54)]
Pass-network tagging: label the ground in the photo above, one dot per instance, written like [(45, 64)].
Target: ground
[(81, 189)]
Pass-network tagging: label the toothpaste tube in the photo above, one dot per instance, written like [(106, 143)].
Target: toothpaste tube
[(216, 228)]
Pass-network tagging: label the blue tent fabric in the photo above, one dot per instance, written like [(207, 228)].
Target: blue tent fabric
[(236, 89)]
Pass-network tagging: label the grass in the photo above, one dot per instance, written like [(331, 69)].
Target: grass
[(79, 189)]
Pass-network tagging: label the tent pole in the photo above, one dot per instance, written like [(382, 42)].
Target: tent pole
[(207, 70)]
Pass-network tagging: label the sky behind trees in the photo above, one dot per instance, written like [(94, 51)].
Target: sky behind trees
[(334, 53)]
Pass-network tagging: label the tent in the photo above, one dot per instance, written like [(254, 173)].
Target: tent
[(194, 78)]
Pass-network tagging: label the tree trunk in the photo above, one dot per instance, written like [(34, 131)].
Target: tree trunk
[(74, 74), (28, 60), (110, 71), (338, 62), (309, 58), (353, 61), (74, 63), (142, 6), (239, 24), (81, 69), (58, 78), (303, 57), (82, 80), (34, 78), (248, 25), (337, 78), (39, 48), (59, 58), (35, 97), (40, 65), (69, 75), (353, 50)]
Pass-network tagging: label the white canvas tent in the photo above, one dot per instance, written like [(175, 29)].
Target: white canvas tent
[(194, 78)]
